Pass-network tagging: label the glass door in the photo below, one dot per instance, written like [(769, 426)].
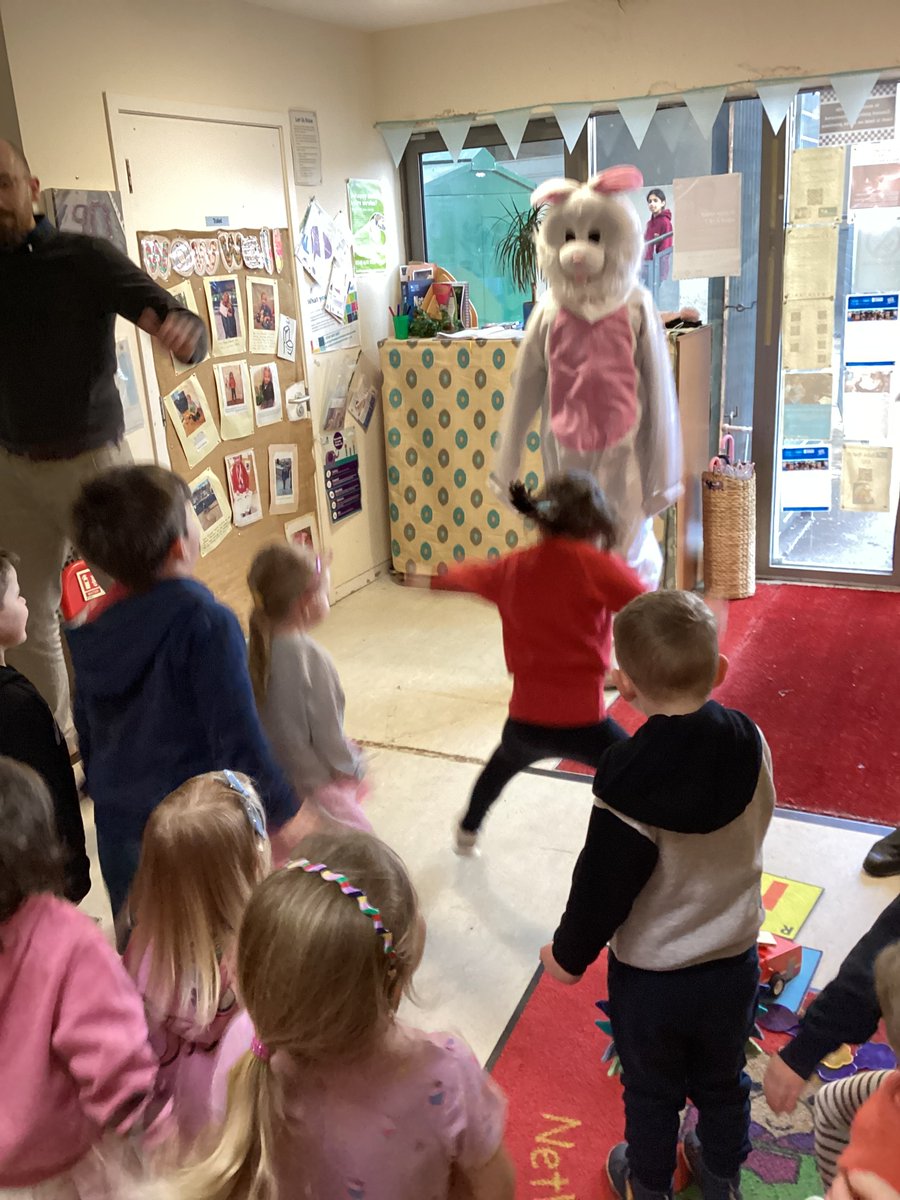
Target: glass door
[(835, 469)]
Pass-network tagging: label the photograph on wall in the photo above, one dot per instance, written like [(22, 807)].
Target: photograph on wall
[(367, 225), (869, 393), (315, 245), (283, 481), (225, 315), (808, 398), (183, 294), (243, 486), (304, 532), (875, 176), (235, 408), (188, 408), (866, 478), (209, 501), (262, 305), (266, 393)]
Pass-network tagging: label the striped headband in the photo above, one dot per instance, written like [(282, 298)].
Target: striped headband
[(355, 893)]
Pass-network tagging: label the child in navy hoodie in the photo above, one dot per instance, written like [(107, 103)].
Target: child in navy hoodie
[(162, 690), (670, 877)]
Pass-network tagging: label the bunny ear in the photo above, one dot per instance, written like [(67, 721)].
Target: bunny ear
[(554, 191), (617, 179)]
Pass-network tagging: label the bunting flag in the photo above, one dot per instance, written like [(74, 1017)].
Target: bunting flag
[(571, 119), (512, 125), (705, 106), (454, 130), (608, 126), (671, 123), (396, 135), (637, 115), (777, 98), (853, 91)]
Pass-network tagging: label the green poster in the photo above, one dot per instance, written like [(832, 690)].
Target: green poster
[(367, 225)]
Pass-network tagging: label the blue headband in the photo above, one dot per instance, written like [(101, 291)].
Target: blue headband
[(249, 803)]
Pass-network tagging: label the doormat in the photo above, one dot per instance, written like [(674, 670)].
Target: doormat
[(565, 1110), (817, 668)]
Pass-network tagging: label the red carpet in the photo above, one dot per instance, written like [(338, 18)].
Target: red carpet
[(565, 1113), (818, 669)]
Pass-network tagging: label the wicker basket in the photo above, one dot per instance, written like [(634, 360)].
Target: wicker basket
[(729, 535)]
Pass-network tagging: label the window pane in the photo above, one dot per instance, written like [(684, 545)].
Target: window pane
[(468, 207)]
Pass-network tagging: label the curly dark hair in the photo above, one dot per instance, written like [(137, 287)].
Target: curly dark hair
[(569, 505), (31, 857)]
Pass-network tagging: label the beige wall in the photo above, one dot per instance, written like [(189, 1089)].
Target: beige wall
[(64, 56), (9, 121), (594, 50)]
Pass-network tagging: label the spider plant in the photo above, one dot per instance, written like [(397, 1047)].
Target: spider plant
[(516, 251)]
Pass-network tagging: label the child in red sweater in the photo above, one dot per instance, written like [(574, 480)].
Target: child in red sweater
[(556, 603)]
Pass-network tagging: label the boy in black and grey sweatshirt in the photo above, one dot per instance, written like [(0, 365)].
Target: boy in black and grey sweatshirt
[(670, 877)]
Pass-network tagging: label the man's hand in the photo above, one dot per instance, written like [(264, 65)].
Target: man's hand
[(781, 1085), (552, 967), (179, 332)]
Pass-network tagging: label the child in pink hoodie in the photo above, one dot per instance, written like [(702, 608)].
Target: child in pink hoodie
[(75, 1063)]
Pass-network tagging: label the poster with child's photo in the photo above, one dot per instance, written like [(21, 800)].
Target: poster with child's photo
[(303, 532), (225, 316), (235, 409), (243, 486), (210, 504), (262, 305), (266, 393), (283, 478), (196, 430)]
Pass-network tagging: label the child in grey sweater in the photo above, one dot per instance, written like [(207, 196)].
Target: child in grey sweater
[(298, 693)]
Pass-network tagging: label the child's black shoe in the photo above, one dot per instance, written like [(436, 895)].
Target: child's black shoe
[(623, 1182), (712, 1187)]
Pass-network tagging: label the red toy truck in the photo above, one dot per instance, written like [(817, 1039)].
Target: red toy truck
[(780, 961)]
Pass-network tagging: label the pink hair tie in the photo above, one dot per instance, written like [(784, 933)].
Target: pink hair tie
[(259, 1049)]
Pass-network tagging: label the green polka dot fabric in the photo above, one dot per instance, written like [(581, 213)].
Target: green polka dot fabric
[(443, 404)]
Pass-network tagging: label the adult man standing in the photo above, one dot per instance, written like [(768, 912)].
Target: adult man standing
[(61, 418)]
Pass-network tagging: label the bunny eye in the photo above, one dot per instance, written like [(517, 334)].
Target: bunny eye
[(594, 235), (570, 236)]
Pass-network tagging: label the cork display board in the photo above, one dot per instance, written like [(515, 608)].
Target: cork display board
[(234, 401)]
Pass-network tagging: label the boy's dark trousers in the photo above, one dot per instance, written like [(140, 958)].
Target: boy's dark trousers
[(682, 1035), (523, 744)]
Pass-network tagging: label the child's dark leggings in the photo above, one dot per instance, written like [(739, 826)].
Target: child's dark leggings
[(523, 744)]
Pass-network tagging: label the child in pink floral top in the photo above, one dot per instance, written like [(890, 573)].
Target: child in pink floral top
[(204, 850), (329, 1096)]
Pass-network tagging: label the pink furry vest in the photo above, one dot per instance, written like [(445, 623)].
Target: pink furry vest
[(593, 381)]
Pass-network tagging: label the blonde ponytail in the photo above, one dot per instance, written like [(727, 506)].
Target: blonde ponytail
[(241, 1165), (259, 653)]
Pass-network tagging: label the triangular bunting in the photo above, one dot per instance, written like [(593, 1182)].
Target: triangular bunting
[(852, 92), (571, 119), (396, 135), (607, 127), (512, 124), (637, 115), (777, 99), (671, 123), (705, 105), (453, 130)]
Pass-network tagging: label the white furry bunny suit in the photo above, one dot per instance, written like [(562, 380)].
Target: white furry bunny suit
[(594, 361)]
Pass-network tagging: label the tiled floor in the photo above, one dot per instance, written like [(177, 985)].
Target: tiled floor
[(426, 691)]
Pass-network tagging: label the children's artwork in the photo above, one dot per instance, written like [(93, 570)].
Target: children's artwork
[(787, 904), (252, 253), (364, 389), (181, 256), (296, 401), (283, 478), (235, 408), (278, 250), (209, 501), (155, 256), (303, 531), (230, 250), (341, 472), (315, 246), (206, 255), (287, 338), (866, 478), (243, 484), (262, 307), (183, 294), (325, 333), (265, 246), (368, 225), (126, 382), (194, 425), (225, 316), (266, 393)]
